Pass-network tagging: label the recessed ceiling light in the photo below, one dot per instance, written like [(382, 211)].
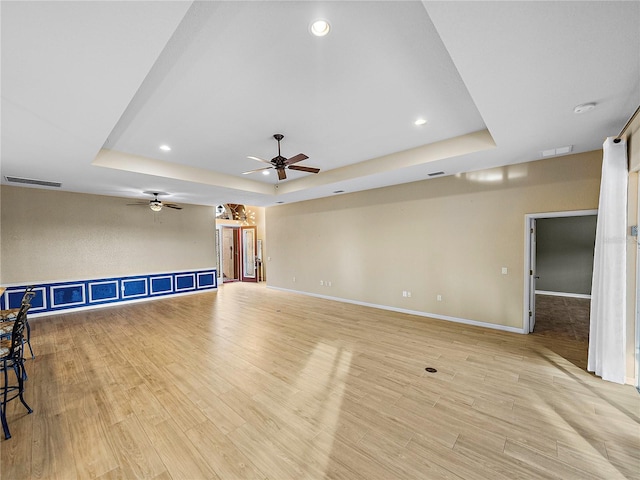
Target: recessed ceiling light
[(420, 121), (266, 172), (584, 108), (320, 27), (165, 148)]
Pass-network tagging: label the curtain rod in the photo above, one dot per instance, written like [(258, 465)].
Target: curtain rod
[(624, 129)]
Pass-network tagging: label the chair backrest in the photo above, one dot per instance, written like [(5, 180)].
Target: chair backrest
[(28, 295), (17, 334)]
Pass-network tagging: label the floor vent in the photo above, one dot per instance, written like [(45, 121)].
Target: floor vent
[(30, 181)]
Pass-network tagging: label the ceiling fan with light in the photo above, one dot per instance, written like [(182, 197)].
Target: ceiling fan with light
[(280, 163), (156, 205)]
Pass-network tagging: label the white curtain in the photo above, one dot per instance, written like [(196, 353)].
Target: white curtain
[(608, 288)]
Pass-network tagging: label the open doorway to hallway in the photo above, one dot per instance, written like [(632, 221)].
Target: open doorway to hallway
[(558, 271)]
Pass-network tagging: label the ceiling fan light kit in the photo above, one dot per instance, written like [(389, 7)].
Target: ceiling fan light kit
[(281, 163), (156, 204)]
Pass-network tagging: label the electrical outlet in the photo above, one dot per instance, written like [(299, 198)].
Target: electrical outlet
[(408, 294), (404, 293), (505, 270), (321, 282), (439, 297), (294, 279)]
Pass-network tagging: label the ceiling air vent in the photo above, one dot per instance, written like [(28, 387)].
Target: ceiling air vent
[(552, 152), (435, 174), (30, 181)]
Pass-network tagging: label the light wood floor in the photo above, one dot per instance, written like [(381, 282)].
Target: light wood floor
[(251, 383)]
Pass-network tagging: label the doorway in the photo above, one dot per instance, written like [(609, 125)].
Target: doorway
[(237, 254), (563, 266), (230, 255)]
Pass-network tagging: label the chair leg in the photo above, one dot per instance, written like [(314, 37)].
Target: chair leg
[(28, 339), (5, 427), (3, 409), (21, 379)]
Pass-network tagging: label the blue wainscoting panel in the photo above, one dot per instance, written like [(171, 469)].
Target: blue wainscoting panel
[(134, 287), (185, 281), (13, 298), (163, 284), (57, 296), (67, 295), (207, 280), (103, 291)]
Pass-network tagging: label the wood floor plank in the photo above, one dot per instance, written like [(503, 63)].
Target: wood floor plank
[(257, 383), (180, 457), (554, 467), (221, 455), (137, 458), (93, 454)]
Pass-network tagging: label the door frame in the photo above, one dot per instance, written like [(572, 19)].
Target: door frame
[(236, 253), (239, 252), (529, 269), (244, 277)]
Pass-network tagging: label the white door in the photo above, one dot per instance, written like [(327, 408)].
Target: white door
[(532, 274)]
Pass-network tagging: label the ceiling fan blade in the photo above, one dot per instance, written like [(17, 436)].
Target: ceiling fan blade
[(257, 170), (296, 158), (260, 160), (304, 169), (281, 174), (172, 205)]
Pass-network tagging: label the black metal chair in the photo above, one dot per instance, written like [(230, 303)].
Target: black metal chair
[(11, 358), (7, 317)]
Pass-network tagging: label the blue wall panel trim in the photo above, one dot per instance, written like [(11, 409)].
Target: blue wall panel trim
[(134, 287), (207, 280), (84, 293), (13, 297), (185, 282), (103, 291), (162, 284), (67, 295)]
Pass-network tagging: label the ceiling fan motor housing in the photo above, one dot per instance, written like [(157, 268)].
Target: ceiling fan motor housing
[(279, 161)]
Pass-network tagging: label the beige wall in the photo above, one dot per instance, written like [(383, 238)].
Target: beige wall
[(51, 235), (448, 236)]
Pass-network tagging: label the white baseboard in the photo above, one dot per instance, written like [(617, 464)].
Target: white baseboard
[(447, 318), (562, 294)]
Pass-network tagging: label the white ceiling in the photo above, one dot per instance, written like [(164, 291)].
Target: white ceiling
[(90, 90)]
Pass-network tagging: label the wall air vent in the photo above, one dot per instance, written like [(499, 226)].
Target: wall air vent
[(435, 174), (29, 181)]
